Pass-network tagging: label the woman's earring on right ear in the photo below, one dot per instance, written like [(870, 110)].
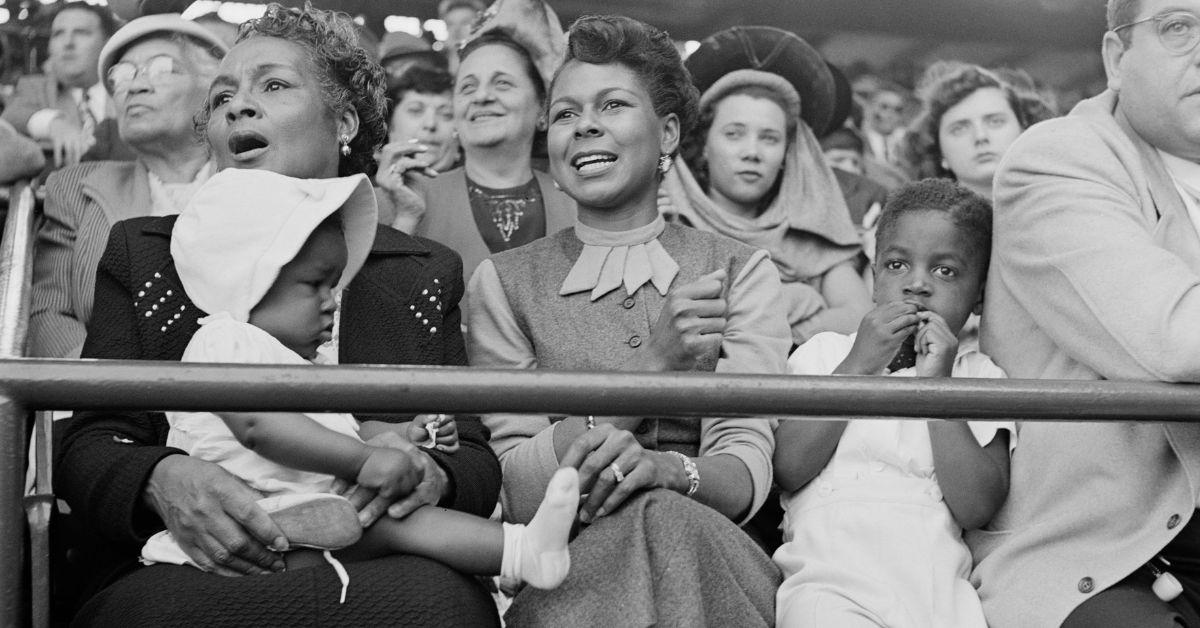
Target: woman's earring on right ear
[(664, 163), (345, 142)]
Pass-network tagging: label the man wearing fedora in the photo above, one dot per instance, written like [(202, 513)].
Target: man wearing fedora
[(1096, 275)]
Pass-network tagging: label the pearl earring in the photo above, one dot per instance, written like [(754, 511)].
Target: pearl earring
[(345, 142), (664, 163)]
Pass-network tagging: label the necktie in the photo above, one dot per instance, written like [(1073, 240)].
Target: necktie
[(86, 119)]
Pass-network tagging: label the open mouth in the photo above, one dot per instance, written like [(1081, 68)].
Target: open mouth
[(591, 163), (246, 144)]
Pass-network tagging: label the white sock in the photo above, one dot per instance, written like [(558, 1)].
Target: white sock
[(537, 553)]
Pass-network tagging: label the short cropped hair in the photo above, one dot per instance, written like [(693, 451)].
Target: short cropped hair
[(644, 49), (422, 79), (108, 22), (970, 212), (348, 77)]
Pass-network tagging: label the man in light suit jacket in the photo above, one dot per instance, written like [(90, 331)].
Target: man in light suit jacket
[(1096, 275)]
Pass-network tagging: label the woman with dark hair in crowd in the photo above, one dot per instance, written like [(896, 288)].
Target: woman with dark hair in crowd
[(421, 141), (626, 291), (752, 170), (497, 201), (297, 96), (969, 117)]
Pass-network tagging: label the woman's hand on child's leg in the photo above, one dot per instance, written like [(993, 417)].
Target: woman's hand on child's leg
[(214, 517), (880, 335)]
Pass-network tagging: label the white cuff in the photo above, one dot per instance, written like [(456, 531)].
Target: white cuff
[(39, 123)]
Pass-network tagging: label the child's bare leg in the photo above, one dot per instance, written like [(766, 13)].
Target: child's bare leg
[(536, 553)]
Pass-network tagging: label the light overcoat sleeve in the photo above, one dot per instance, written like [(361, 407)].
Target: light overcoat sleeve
[(1079, 244)]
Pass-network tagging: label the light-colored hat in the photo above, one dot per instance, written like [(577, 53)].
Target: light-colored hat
[(243, 226), (134, 31), (533, 25)]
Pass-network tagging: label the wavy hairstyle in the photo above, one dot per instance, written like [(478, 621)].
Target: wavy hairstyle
[(644, 49), (944, 85), (348, 77)]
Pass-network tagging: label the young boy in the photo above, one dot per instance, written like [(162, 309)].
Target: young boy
[(265, 255), (874, 509)]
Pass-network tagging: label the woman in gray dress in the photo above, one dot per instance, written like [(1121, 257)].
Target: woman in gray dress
[(623, 290)]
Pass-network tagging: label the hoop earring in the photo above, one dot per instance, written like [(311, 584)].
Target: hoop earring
[(344, 140), (664, 163)]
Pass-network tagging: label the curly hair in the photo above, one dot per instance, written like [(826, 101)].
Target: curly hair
[(644, 49), (348, 77), (944, 85), (692, 148), (970, 212)]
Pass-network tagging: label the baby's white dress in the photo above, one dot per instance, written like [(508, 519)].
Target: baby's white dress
[(205, 436), (870, 541)]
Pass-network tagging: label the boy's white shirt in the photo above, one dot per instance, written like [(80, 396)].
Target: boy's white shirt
[(826, 350)]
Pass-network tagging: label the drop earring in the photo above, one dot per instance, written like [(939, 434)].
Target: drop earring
[(664, 163), (344, 140)]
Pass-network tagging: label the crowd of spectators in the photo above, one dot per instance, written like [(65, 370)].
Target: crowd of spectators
[(592, 200)]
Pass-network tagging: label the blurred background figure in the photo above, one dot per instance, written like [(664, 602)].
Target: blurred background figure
[(63, 107), (459, 16), (969, 117), (399, 51), (422, 141)]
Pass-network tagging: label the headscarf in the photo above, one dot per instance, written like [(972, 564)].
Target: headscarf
[(806, 228), (243, 226)]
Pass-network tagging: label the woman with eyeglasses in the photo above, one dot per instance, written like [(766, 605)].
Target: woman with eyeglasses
[(157, 70)]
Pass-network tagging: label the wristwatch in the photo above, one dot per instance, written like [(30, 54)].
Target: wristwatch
[(689, 469)]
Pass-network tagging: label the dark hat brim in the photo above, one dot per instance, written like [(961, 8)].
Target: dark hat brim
[(842, 102), (774, 50)]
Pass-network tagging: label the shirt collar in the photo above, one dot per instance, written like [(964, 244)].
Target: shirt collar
[(612, 258)]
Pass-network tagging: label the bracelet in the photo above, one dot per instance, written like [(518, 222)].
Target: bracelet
[(689, 469)]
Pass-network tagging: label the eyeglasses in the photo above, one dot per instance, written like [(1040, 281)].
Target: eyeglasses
[(157, 70), (1178, 32)]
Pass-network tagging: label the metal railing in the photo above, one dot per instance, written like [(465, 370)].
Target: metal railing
[(27, 385), (16, 272)]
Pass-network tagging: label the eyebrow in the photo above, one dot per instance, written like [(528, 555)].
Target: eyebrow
[(259, 70), (598, 96)]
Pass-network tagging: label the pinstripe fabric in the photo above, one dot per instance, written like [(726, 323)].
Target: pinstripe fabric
[(82, 204)]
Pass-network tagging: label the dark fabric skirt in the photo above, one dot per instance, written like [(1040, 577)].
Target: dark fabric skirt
[(393, 591), (662, 559)]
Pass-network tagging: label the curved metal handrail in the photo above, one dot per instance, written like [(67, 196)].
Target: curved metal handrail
[(16, 269)]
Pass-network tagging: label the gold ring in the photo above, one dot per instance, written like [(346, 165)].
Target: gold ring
[(617, 472)]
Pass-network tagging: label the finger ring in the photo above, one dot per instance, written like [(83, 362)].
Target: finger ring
[(617, 472)]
